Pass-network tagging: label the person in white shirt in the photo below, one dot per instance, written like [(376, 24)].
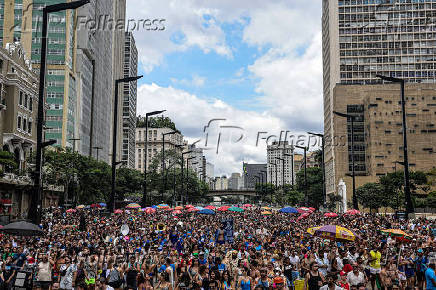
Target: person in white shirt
[(323, 263), (356, 276), (331, 283), (294, 259)]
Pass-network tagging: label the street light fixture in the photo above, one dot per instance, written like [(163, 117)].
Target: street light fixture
[(144, 194), (409, 204), (324, 190), (111, 204), (98, 149), (352, 118), (305, 173), (74, 143), (35, 207)]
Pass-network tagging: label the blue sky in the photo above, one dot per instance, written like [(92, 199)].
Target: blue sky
[(256, 64)]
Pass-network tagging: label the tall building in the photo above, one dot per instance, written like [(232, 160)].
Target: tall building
[(71, 49), (276, 167), (235, 181), (221, 183), (196, 164), (210, 175), (360, 40), (250, 171), (154, 146), (129, 101)]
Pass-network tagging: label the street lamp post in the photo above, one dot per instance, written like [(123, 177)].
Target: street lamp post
[(305, 173), (111, 204), (351, 117), (98, 149), (163, 159), (183, 174), (35, 207), (144, 194), (74, 143), (323, 166), (409, 204)]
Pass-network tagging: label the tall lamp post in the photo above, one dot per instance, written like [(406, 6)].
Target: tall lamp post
[(183, 175), (98, 149), (163, 159), (352, 118), (111, 205), (409, 204), (305, 173), (147, 115), (322, 164), (35, 207)]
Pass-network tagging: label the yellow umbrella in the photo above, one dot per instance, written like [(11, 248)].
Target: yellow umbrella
[(266, 213), (80, 206), (312, 230)]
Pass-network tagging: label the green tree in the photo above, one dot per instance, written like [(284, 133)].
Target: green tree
[(265, 191), (129, 183), (318, 157), (333, 201), (314, 185), (372, 196), (292, 196), (7, 162), (156, 122)]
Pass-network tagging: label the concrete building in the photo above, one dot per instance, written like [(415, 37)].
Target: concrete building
[(283, 150), (154, 146), (196, 164), (209, 178), (129, 101), (221, 183), (249, 172), (378, 132), (70, 51), (235, 181), (360, 40)]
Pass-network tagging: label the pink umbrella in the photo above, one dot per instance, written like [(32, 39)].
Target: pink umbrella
[(189, 206), (193, 209), (352, 212), (150, 210), (304, 209), (177, 211), (304, 215), (331, 214), (210, 207), (71, 210), (312, 208), (118, 211), (247, 205)]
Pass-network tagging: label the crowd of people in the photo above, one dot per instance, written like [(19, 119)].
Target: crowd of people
[(89, 249)]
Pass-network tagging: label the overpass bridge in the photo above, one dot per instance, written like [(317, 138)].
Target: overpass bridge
[(213, 193)]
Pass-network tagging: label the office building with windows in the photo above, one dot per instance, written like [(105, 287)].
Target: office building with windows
[(277, 167), (362, 39)]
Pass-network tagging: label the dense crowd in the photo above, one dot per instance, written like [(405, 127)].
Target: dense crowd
[(87, 249)]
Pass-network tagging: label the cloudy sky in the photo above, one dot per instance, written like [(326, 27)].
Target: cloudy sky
[(233, 71)]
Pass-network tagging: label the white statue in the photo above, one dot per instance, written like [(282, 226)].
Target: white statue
[(342, 191)]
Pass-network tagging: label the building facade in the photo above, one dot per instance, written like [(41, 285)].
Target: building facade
[(276, 167), (155, 146), (250, 171), (235, 181), (196, 161), (129, 101), (210, 173), (221, 183), (18, 112), (379, 147), (360, 40)]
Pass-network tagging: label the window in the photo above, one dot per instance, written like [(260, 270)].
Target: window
[(29, 127), (24, 125), (21, 99), (30, 104), (26, 99), (19, 122)]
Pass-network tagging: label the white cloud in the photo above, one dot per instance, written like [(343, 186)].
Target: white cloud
[(195, 81)]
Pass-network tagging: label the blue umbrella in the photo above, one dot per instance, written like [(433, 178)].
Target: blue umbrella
[(102, 204), (199, 207), (206, 211), (289, 210)]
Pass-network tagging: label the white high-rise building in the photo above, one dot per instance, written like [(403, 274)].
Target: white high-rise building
[(276, 167)]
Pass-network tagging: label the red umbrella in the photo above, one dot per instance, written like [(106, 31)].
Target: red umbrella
[(312, 208), (193, 209), (352, 212), (189, 206), (95, 205), (118, 211), (247, 205), (150, 210), (177, 211), (210, 207), (223, 208), (331, 214), (304, 215), (71, 210), (304, 209)]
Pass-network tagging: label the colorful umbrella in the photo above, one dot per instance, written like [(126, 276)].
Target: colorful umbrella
[(266, 208), (312, 230), (118, 211), (150, 210), (206, 211), (178, 207), (133, 206), (335, 233), (210, 207), (95, 205), (80, 206), (352, 212), (398, 234), (331, 214), (223, 208), (236, 209), (266, 213), (289, 210), (163, 206), (193, 209)]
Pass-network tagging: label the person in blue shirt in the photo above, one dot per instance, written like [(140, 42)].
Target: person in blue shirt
[(421, 266), (430, 276)]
